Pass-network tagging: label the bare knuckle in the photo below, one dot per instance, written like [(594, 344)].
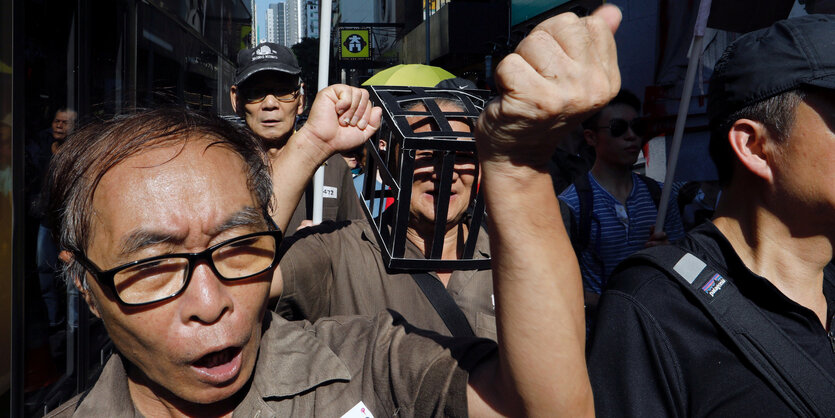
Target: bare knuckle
[(563, 19)]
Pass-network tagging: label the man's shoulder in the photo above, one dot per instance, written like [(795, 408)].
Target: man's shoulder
[(650, 283), (335, 165), (353, 231), (641, 281), (387, 335), (646, 283), (66, 409)]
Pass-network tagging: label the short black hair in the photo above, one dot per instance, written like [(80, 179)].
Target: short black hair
[(776, 113), (624, 97)]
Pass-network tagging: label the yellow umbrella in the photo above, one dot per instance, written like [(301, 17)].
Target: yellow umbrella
[(415, 75)]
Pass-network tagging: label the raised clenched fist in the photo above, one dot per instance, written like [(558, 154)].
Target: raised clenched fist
[(563, 71)]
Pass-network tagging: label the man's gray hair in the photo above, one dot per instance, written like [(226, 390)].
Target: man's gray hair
[(91, 151)]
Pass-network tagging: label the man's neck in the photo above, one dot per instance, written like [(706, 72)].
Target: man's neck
[(617, 180), (792, 261), (454, 239)]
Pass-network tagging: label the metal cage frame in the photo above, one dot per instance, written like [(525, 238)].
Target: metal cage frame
[(402, 143)]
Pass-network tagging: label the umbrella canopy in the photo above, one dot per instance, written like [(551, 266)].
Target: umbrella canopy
[(415, 75)]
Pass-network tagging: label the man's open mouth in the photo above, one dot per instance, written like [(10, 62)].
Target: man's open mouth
[(219, 367)]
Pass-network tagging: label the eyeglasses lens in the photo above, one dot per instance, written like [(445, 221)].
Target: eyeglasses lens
[(152, 280), (258, 94), (244, 258), (159, 279), (618, 127)]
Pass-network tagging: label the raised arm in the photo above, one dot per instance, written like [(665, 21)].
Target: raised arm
[(562, 71), (341, 118)]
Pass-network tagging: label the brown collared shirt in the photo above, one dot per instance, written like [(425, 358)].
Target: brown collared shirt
[(328, 368), (339, 270), (339, 197)]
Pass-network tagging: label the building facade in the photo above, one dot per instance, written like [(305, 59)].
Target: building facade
[(293, 20), (311, 19), (272, 11)]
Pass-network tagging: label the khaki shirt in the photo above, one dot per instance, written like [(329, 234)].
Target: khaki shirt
[(339, 270), (339, 197), (328, 368)]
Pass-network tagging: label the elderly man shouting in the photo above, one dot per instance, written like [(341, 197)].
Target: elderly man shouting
[(164, 228)]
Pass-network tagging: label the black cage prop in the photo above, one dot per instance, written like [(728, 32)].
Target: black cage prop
[(387, 205)]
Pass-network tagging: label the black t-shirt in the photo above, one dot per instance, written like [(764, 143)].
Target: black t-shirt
[(654, 353)]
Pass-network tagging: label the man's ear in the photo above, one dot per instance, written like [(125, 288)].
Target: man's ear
[(590, 137), (67, 257), (750, 141), (233, 96), (300, 108)]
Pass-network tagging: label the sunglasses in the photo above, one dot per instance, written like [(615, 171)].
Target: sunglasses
[(258, 94), (618, 127)]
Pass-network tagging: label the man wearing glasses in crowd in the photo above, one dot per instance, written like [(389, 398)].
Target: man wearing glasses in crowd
[(621, 206), (163, 224), (268, 94)]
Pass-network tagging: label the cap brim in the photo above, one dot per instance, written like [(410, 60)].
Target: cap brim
[(267, 66), (825, 82)]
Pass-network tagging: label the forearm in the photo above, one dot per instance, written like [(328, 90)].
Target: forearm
[(562, 72), (539, 294), (341, 118), (292, 168)]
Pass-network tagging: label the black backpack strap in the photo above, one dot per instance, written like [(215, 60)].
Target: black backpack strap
[(796, 377), (586, 199), (654, 188), (441, 300), (568, 220)]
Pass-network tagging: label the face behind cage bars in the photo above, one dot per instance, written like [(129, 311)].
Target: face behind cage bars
[(441, 151)]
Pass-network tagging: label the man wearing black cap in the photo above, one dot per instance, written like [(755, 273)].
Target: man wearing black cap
[(268, 94), (735, 320)]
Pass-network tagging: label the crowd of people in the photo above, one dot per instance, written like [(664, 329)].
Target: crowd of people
[(191, 239)]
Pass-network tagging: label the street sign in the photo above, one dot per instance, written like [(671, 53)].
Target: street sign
[(355, 44)]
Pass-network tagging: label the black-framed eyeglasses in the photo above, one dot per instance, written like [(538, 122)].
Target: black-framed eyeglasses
[(257, 94), (618, 127), (162, 277)]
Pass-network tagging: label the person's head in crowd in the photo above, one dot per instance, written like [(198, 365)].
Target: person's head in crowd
[(354, 159), (133, 199), (766, 112), (268, 92), (617, 131), (426, 181), (63, 123)]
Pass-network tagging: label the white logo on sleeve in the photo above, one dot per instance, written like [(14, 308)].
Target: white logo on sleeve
[(329, 192), (359, 410)]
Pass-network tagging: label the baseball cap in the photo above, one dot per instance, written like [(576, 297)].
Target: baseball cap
[(266, 56), (456, 83), (789, 54)]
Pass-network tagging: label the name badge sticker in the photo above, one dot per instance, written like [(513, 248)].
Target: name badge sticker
[(329, 192), (358, 411)]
